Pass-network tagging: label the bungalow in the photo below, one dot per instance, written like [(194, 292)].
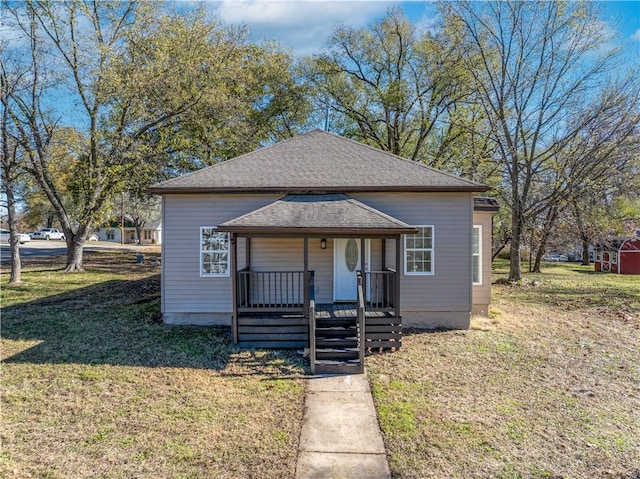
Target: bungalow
[(319, 241), (151, 233)]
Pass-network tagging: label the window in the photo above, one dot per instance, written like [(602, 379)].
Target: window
[(110, 235), (614, 258), (214, 252), (598, 256), (148, 235), (418, 251), (476, 255)]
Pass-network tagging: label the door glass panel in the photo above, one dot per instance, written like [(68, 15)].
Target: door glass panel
[(351, 254)]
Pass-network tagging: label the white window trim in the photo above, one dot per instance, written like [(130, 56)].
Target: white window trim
[(479, 283), (432, 249), (213, 275)]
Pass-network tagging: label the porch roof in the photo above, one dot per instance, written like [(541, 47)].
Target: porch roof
[(327, 214)]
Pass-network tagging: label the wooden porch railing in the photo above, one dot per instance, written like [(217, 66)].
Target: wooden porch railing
[(312, 324), (382, 289), (361, 323), (270, 291)]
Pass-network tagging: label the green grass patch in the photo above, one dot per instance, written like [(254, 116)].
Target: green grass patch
[(95, 386), (546, 387)]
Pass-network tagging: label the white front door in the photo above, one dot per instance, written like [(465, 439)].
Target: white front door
[(346, 262)]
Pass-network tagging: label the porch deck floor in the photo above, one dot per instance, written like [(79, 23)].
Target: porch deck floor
[(323, 311), (345, 310)]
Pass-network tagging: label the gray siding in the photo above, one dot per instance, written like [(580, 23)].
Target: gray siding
[(287, 254), (449, 289), (482, 293), (184, 291), (443, 298)]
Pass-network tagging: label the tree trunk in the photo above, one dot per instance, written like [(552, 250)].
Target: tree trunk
[(139, 232), (14, 241), (582, 230), (514, 248), (500, 247), (585, 252), (541, 248), (75, 245), (549, 223)]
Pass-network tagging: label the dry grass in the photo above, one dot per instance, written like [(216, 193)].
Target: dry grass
[(549, 387), (94, 386)]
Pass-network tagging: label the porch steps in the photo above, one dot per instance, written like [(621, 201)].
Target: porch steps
[(337, 353), (332, 343), (337, 346), (325, 366)]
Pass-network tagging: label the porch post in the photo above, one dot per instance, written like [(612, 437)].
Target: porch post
[(384, 253), (247, 252), (305, 286), (398, 275), (363, 260), (234, 286)]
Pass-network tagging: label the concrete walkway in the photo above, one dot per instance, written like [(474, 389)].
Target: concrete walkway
[(340, 435)]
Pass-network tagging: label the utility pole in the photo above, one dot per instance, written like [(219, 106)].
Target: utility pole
[(122, 217)]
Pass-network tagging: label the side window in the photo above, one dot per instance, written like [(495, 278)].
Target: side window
[(476, 255), (419, 252), (214, 252)]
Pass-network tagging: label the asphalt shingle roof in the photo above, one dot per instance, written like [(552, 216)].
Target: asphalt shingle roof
[(481, 203), (317, 161), (325, 214)]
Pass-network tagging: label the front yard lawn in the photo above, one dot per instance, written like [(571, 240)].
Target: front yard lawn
[(94, 386), (548, 387)]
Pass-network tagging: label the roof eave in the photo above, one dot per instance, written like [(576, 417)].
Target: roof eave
[(319, 190)]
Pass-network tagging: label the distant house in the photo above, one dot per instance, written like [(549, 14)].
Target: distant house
[(620, 255), (151, 233), (289, 243)]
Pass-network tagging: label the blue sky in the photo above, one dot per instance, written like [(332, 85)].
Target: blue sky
[(304, 25)]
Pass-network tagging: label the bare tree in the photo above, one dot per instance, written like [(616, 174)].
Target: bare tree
[(392, 87), (141, 209), (540, 84), (11, 170), (86, 40)]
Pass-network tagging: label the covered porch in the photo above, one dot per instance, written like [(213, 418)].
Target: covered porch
[(312, 265)]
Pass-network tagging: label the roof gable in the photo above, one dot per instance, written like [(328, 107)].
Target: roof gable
[(317, 161)]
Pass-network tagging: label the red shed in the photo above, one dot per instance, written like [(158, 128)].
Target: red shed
[(620, 255)]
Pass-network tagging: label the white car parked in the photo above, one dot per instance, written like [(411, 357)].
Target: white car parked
[(49, 234), (22, 237)]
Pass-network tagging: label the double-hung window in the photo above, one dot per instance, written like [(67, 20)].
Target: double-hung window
[(214, 252), (418, 252), (476, 255)]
